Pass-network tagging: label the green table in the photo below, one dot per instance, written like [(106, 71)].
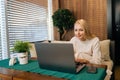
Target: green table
[(33, 66)]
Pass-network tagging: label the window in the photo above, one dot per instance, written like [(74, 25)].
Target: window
[(27, 21), (3, 32)]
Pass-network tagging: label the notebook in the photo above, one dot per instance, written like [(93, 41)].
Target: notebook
[(57, 57)]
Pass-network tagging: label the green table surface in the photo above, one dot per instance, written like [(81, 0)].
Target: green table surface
[(33, 66)]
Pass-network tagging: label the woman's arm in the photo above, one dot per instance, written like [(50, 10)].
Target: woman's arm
[(96, 57)]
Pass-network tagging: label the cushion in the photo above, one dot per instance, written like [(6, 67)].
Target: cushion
[(32, 50), (105, 52), (60, 41)]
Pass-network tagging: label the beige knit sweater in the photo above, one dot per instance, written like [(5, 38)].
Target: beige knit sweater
[(88, 49)]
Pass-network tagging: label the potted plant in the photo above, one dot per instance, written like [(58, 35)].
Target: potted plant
[(22, 49), (64, 20)]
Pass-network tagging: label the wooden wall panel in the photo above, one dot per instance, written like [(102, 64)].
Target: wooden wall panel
[(97, 17), (94, 11), (55, 7)]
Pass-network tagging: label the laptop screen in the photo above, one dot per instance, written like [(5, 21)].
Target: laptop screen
[(56, 56)]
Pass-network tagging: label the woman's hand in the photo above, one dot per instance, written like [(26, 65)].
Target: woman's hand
[(82, 61)]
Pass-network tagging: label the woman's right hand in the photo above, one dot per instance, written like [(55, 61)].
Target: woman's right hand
[(84, 61)]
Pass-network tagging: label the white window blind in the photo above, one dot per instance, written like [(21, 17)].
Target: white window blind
[(3, 31), (0, 28), (26, 21)]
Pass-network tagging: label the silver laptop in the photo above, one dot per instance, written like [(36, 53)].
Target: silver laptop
[(57, 57)]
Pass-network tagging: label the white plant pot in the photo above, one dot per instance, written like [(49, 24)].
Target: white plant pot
[(22, 58)]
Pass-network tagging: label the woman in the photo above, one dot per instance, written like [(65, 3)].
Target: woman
[(86, 45)]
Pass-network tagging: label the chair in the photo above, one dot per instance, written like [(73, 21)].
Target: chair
[(108, 53)]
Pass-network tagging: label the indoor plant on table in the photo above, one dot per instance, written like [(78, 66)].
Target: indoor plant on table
[(22, 50), (64, 20)]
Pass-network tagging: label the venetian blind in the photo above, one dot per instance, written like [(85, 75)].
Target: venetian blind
[(3, 32), (26, 21), (0, 29)]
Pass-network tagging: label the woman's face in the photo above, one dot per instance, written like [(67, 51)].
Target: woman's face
[(79, 32)]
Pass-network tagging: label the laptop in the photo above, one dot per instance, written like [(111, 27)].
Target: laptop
[(57, 57)]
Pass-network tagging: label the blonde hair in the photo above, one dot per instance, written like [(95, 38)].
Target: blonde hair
[(84, 24)]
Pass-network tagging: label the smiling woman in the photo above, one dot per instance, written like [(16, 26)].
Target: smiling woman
[(86, 45)]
